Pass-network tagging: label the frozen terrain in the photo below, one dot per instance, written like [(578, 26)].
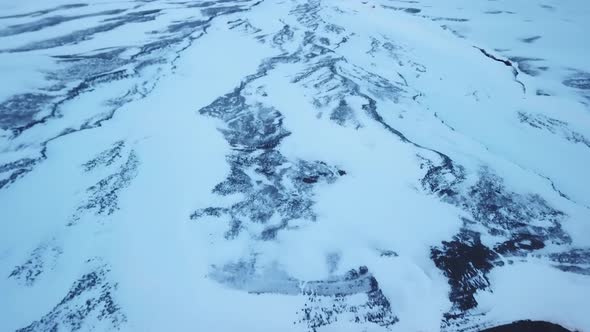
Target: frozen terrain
[(294, 165)]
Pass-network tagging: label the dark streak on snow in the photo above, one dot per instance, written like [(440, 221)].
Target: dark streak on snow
[(506, 63)]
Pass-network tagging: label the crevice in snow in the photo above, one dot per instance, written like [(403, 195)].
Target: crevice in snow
[(507, 63)]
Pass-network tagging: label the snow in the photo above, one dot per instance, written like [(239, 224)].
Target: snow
[(373, 208)]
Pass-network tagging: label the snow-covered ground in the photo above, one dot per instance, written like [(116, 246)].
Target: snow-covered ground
[(294, 165)]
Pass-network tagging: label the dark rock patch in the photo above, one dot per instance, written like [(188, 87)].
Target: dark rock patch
[(580, 81), (89, 297), (466, 262), (554, 126), (519, 224), (528, 326), (105, 158), (21, 109), (17, 169), (42, 258), (258, 170), (103, 197), (520, 244)]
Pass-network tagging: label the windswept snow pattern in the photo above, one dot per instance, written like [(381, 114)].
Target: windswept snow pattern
[(294, 165)]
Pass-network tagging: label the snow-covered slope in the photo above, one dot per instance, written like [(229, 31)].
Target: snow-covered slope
[(294, 165)]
